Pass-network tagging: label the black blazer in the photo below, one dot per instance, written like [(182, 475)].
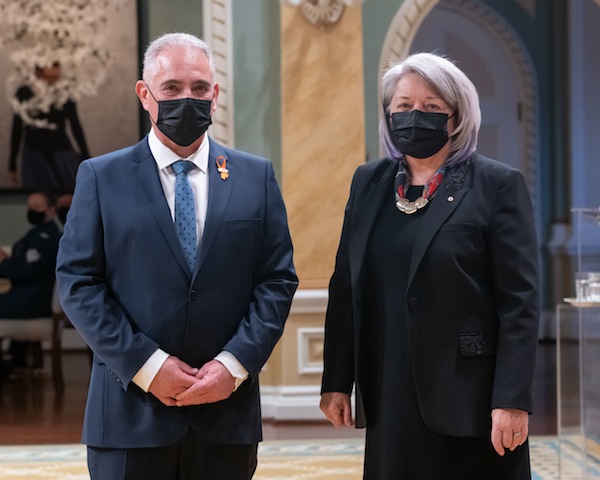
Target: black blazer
[(471, 301)]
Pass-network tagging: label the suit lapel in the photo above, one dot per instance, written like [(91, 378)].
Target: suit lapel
[(219, 191), (446, 200), (364, 216), (144, 170)]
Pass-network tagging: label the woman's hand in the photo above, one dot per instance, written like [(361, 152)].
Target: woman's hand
[(510, 428), (337, 409)]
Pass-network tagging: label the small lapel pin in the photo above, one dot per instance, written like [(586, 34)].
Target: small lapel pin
[(450, 198), (222, 167)]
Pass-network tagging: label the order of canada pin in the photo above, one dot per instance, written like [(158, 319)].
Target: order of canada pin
[(222, 167)]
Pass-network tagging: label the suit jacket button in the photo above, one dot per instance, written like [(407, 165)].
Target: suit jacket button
[(413, 303), (194, 294)]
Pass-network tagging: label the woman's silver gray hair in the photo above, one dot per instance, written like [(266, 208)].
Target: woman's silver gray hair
[(171, 40), (452, 85)]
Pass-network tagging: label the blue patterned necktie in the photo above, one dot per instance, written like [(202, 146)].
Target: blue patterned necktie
[(185, 211)]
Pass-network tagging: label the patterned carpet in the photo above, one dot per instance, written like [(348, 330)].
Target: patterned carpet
[(288, 460)]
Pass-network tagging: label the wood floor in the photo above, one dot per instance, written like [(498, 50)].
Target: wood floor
[(30, 413)]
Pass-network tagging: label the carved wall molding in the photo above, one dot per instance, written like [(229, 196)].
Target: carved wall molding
[(310, 350), (321, 13), (218, 34)]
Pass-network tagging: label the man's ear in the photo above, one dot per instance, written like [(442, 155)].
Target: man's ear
[(141, 90), (214, 99)]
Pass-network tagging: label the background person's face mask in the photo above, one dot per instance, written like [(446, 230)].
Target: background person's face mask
[(183, 120), (419, 134), (36, 218)]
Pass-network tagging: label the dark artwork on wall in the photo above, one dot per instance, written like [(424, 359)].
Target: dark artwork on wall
[(67, 93)]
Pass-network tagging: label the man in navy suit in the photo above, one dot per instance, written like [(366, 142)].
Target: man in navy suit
[(178, 342)]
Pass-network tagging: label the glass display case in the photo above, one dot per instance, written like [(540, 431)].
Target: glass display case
[(578, 361), (578, 396)]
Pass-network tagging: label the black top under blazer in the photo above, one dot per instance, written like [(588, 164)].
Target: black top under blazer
[(471, 302)]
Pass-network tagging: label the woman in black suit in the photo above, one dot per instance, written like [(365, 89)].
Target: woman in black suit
[(433, 304)]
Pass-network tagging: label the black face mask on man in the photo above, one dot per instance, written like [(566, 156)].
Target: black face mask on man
[(419, 134), (35, 218), (183, 120)]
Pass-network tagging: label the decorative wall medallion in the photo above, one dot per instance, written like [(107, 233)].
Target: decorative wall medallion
[(322, 13)]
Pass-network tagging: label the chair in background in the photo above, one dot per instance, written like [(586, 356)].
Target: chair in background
[(39, 330)]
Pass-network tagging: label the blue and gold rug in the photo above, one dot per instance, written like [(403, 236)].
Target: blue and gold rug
[(288, 460)]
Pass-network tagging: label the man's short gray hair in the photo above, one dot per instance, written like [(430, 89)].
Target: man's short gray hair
[(171, 40)]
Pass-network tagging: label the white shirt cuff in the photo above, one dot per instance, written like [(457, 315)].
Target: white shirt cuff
[(143, 378), (234, 366)]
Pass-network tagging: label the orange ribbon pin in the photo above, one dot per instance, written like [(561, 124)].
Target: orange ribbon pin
[(222, 167)]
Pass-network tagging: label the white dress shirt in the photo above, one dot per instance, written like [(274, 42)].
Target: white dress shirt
[(198, 178)]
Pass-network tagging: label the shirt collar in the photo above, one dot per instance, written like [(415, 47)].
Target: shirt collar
[(164, 156)]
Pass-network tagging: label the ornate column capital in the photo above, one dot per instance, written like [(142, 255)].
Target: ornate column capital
[(321, 13)]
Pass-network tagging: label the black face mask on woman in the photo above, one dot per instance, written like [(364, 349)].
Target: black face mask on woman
[(183, 120), (419, 134)]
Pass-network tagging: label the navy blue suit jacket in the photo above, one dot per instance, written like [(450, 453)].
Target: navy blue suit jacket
[(125, 285)]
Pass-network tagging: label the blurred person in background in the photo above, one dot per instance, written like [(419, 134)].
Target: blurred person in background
[(30, 269)]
